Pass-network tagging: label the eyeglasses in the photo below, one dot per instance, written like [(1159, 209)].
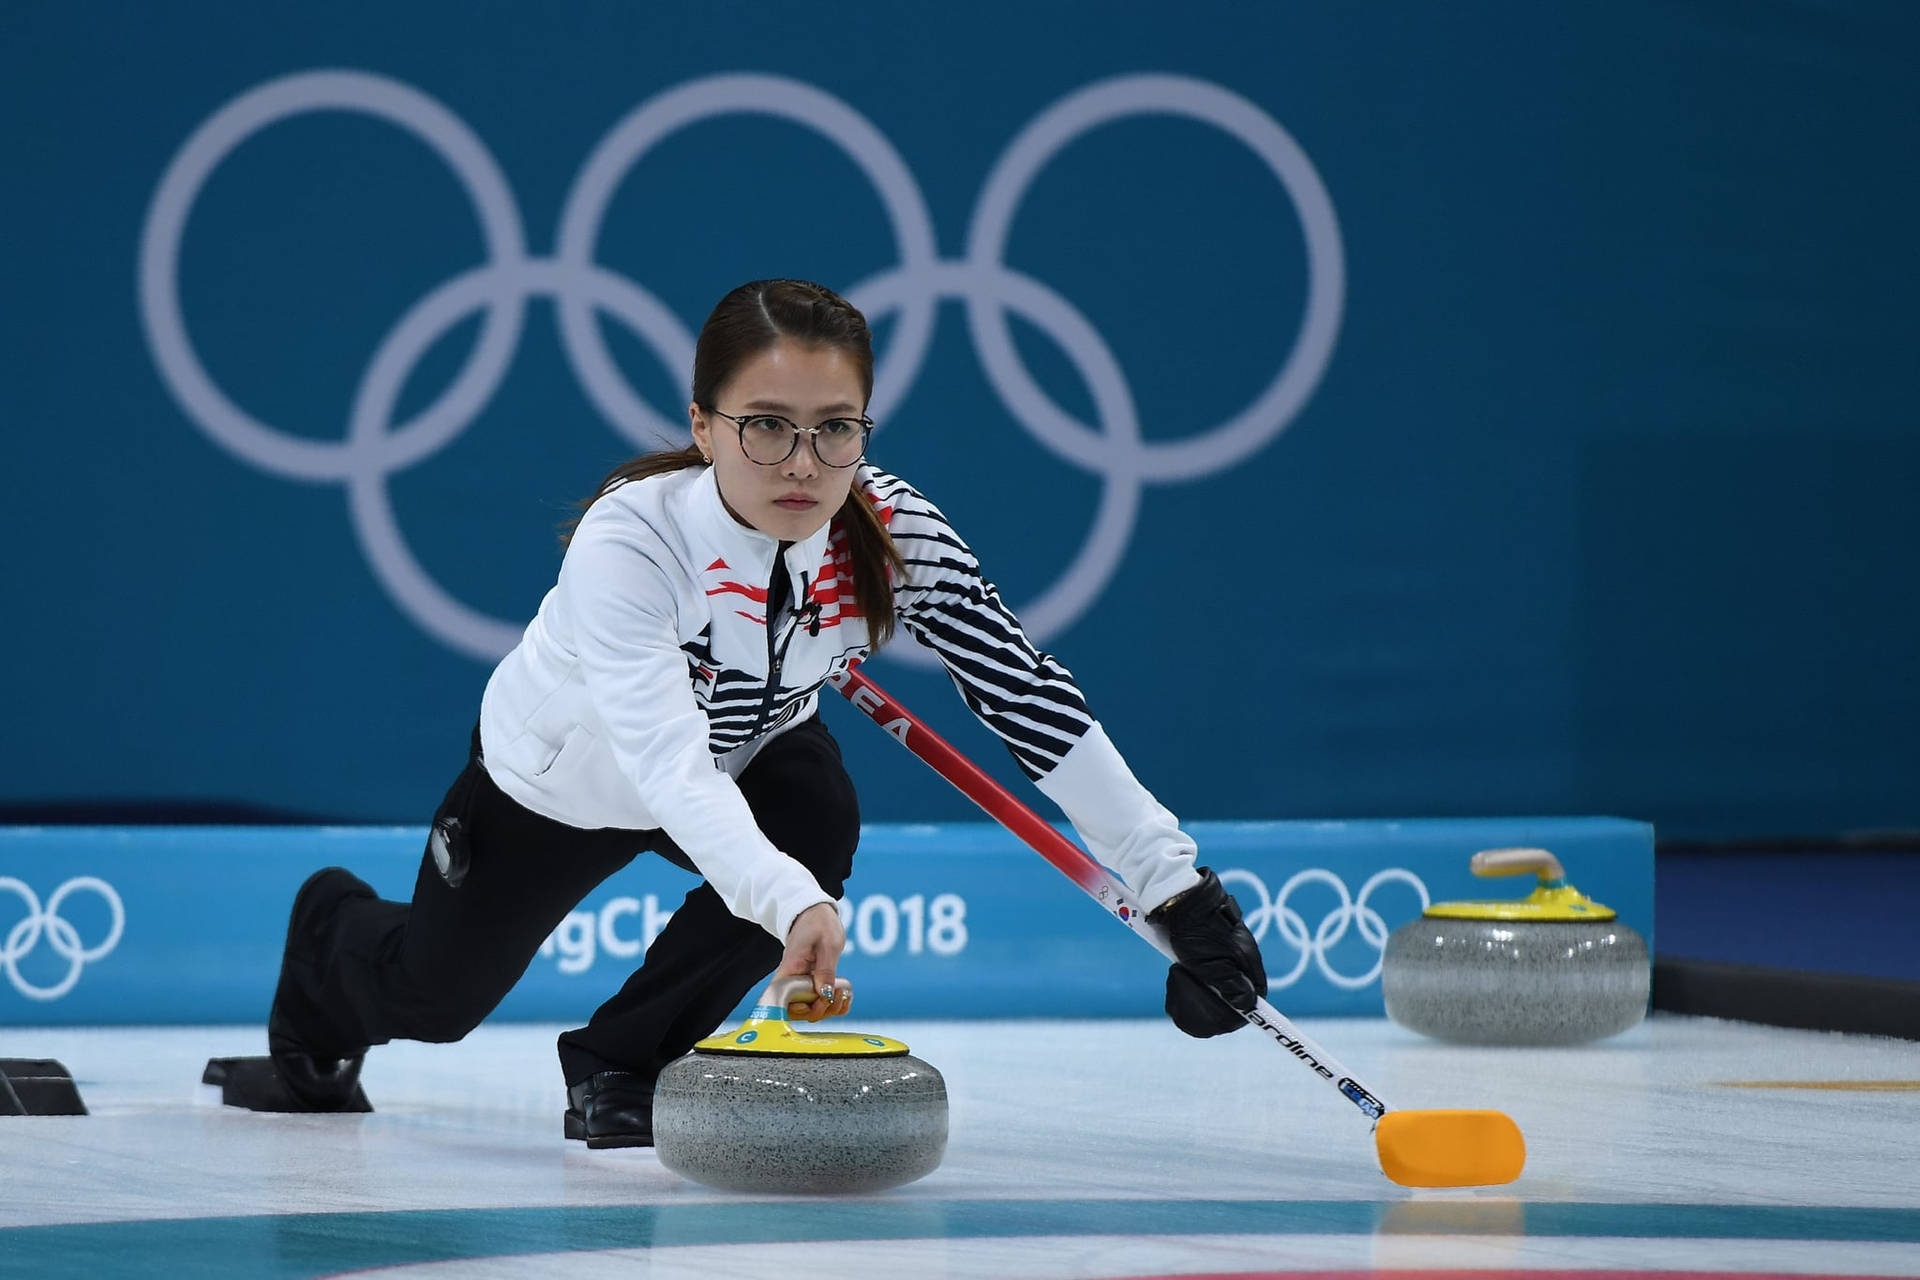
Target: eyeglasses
[(769, 439)]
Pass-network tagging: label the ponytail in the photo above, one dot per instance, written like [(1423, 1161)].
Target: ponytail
[(647, 464), (873, 559)]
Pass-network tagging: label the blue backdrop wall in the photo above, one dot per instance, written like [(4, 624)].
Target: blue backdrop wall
[(1477, 408)]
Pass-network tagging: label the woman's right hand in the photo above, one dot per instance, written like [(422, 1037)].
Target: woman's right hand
[(814, 944)]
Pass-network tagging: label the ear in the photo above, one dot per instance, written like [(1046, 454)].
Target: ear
[(702, 431)]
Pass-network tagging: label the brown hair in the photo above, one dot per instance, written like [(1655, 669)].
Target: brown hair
[(746, 322)]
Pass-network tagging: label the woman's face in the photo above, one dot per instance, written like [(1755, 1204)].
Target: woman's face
[(806, 385)]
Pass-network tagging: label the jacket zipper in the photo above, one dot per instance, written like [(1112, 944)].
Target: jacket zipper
[(776, 656)]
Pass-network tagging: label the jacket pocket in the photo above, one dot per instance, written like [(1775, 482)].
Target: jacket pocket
[(551, 758)]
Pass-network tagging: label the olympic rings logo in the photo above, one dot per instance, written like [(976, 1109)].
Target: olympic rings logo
[(375, 448), (59, 932), (1353, 911)]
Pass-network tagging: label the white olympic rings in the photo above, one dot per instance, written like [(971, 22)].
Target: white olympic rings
[(59, 932), (375, 447), (1313, 947)]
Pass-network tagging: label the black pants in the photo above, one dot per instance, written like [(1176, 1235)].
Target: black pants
[(368, 971)]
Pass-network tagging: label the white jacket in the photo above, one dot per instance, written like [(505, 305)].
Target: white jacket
[(641, 689)]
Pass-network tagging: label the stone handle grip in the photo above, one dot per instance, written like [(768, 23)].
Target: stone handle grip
[(790, 987), (1513, 862)]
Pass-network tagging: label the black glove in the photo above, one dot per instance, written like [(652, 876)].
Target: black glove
[(1214, 950)]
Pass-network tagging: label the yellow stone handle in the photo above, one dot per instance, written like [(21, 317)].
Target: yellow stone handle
[(797, 988), (1513, 862)]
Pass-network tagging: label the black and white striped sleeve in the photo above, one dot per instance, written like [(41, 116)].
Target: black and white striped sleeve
[(1023, 695), (1028, 698)]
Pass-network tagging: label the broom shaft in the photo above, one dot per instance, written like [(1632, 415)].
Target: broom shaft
[(1095, 880)]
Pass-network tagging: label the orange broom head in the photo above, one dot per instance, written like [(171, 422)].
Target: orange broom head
[(1450, 1148)]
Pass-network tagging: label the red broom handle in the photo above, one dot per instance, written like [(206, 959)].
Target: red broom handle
[(970, 778)]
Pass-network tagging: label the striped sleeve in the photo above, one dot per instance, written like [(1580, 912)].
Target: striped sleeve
[(946, 603)]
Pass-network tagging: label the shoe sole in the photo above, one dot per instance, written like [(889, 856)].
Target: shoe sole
[(256, 1084)]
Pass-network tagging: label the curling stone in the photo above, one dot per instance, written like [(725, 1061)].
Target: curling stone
[(767, 1107), (1555, 967)]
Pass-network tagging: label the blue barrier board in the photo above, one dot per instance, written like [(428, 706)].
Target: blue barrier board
[(129, 925)]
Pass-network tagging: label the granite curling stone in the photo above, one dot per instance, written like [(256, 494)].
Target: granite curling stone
[(1554, 968), (767, 1107)]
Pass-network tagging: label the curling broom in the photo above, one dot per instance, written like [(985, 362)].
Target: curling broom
[(1416, 1148)]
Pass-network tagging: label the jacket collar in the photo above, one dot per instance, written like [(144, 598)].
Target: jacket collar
[(745, 549)]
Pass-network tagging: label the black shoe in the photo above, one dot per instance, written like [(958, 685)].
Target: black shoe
[(611, 1109)]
